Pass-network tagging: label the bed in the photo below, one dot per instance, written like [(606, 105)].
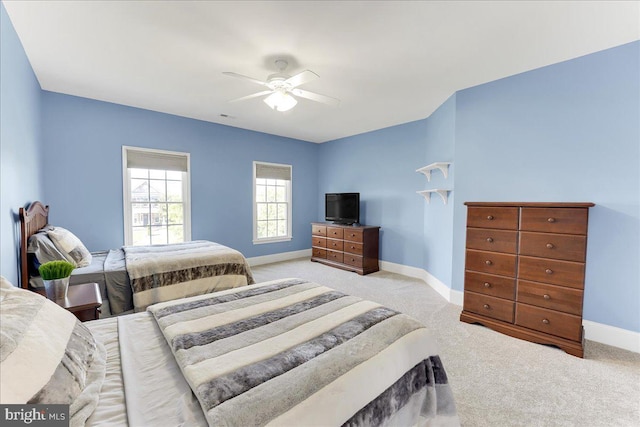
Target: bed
[(130, 278), (287, 352)]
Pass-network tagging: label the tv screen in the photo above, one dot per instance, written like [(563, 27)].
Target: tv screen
[(342, 208)]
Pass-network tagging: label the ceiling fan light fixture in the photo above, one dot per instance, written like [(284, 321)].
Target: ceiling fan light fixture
[(280, 101)]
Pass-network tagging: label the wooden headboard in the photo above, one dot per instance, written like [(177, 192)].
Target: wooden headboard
[(31, 220)]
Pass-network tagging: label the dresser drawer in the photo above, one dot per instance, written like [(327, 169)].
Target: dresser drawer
[(488, 239), (493, 217), (334, 256), (335, 245), (354, 235), (353, 247), (335, 232), (549, 321), (565, 273), (555, 220), (354, 260), (318, 230), (491, 262), (495, 308), (553, 297), (568, 247), (487, 284), (318, 252), (319, 242)]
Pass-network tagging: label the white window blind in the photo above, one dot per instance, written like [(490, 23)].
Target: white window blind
[(273, 171), (157, 160)]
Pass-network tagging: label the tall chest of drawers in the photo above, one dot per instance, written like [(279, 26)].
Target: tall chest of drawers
[(353, 248), (524, 270)]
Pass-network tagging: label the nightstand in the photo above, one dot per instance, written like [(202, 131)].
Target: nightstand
[(83, 301)]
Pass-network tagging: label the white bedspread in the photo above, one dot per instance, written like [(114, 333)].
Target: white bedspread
[(139, 363)]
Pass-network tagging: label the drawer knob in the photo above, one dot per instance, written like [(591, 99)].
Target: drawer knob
[(488, 262), (487, 306), (549, 245), (545, 321), (353, 247), (548, 271), (551, 219), (545, 296), (490, 217), (489, 239), (487, 284)]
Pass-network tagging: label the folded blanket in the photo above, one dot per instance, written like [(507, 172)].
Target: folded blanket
[(166, 272), (292, 352)]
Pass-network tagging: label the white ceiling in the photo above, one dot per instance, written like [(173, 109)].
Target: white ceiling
[(389, 62)]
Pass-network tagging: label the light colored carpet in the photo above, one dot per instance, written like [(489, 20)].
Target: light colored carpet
[(497, 380)]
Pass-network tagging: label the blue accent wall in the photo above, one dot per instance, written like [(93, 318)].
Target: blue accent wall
[(83, 167), (20, 143), (439, 146), (381, 166), (566, 132)]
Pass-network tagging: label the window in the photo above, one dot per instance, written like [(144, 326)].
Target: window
[(156, 192), (272, 202)]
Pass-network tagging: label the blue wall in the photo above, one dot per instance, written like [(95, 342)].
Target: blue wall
[(20, 144), (83, 142), (567, 132), (381, 166), (439, 146)]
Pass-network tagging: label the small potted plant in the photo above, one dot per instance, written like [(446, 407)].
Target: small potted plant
[(55, 275)]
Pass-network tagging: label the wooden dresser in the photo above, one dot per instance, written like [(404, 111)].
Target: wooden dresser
[(353, 248), (524, 270)]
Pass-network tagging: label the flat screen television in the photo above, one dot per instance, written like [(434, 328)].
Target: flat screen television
[(342, 208)]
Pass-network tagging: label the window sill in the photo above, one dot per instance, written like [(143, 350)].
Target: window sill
[(272, 240)]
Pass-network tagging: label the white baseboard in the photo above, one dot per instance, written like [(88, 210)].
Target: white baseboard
[(418, 273), (284, 256), (599, 332), (611, 335)]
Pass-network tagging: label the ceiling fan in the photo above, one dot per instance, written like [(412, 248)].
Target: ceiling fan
[(281, 87)]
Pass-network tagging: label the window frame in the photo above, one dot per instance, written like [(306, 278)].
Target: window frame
[(289, 189), (126, 191)]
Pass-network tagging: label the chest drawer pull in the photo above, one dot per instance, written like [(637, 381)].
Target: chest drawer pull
[(488, 262), (545, 321), (546, 296), (487, 306), (489, 239), (551, 219), (549, 245), (487, 284), (548, 271), (490, 217)]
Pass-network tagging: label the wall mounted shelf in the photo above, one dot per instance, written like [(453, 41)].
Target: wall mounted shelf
[(427, 194), (442, 166)]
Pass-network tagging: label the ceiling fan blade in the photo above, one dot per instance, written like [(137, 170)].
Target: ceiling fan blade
[(302, 78), (254, 95), (251, 79), (316, 97)]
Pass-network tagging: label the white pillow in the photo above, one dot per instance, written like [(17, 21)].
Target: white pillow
[(46, 355), (70, 246)]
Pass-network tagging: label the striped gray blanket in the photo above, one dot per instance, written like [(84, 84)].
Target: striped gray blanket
[(295, 353), (166, 272)]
